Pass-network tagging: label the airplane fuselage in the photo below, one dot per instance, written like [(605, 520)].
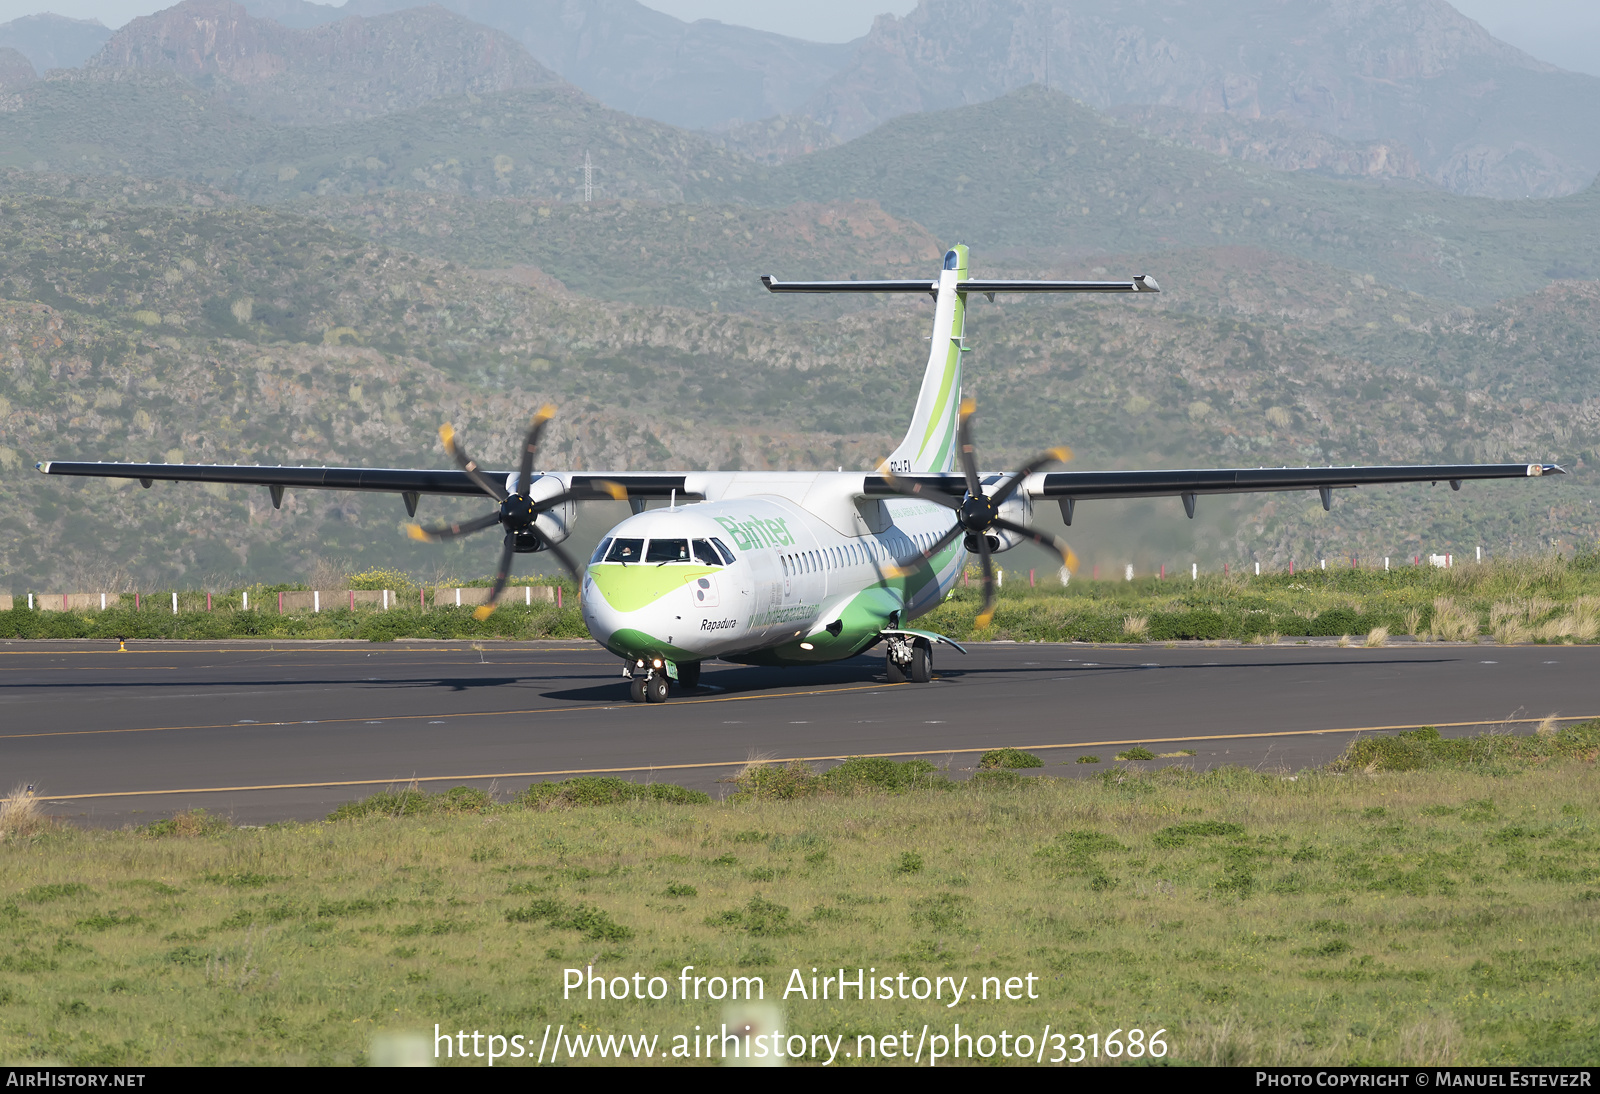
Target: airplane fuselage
[(762, 580)]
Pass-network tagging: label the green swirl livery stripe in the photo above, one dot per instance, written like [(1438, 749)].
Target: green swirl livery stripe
[(941, 416)]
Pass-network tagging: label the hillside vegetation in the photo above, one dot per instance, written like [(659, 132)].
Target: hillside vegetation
[(517, 142), (250, 335)]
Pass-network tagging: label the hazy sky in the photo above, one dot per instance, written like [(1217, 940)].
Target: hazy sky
[(1563, 32)]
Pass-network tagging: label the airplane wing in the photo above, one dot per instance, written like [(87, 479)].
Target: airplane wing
[(1070, 487), (409, 483)]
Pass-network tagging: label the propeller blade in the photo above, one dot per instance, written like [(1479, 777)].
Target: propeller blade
[(451, 531), (987, 613), (969, 462), (561, 556), (1069, 558), (1054, 455), (914, 490), (560, 499), (447, 434), (501, 576), (531, 445), (617, 491)]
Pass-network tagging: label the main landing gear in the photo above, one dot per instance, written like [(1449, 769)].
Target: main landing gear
[(648, 679), (910, 659)]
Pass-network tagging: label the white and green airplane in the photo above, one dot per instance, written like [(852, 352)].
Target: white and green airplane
[(797, 567)]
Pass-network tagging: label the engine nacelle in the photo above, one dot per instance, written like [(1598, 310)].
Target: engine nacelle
[(1018, 510), (556, 523)]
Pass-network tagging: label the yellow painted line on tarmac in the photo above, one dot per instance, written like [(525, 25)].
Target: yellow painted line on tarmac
[(441, 717), (407, 780)]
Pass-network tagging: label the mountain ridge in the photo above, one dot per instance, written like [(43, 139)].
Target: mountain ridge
[(357, 67), (52, 41), (1475, 111)]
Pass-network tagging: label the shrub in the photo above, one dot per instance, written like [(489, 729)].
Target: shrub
[(1137, 752), (605, 790), (910, 863), (1421, 749), (394, 580), (760, 917), (594, 923), (1172, 626), (1009, 758), (860, 773), (186, 825), (1087, 760), (1177, 835)]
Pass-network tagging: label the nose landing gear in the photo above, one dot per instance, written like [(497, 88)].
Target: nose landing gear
[(648, 679)]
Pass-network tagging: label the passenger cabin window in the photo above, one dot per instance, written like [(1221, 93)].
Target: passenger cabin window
[(600, 551), (625, 550), (704, 552), (667, 550), (727, 555)]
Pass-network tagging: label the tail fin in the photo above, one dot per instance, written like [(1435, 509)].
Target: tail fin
[(930, 442)]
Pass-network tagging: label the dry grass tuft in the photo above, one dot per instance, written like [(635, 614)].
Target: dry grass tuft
[(1548, 727), (1413, 622), (1512, 632), (1229, 1044), (1344, 641), (1452, 623), (20, 814), (1377, 637), (1136, 626), (1432, 1041)]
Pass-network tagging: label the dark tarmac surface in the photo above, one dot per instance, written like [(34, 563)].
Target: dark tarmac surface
[(262, 731)]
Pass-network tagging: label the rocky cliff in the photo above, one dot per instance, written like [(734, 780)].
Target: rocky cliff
[(1480, 116), (15, 69), (358, 67)]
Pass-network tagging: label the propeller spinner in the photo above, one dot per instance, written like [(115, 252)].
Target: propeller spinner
[(978, 513), (517, 513)]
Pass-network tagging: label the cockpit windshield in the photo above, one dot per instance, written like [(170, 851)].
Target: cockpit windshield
[(706, 552), (626, 550), (667, 550)]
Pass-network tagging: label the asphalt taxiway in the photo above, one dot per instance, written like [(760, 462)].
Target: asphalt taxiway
[(262, 731)]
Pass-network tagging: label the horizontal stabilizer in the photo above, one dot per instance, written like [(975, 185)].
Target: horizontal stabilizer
[(1141, 283)]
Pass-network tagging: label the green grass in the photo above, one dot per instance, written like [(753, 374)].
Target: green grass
[(1552, 599), (1438, 915)]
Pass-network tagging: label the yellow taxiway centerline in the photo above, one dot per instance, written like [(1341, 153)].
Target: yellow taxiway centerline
[(441, 717), (783, 760)]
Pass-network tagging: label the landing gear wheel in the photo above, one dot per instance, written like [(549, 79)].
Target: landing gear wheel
[(655, 689), (636, 689), (894, 669), (689, 674), (921, 663)]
